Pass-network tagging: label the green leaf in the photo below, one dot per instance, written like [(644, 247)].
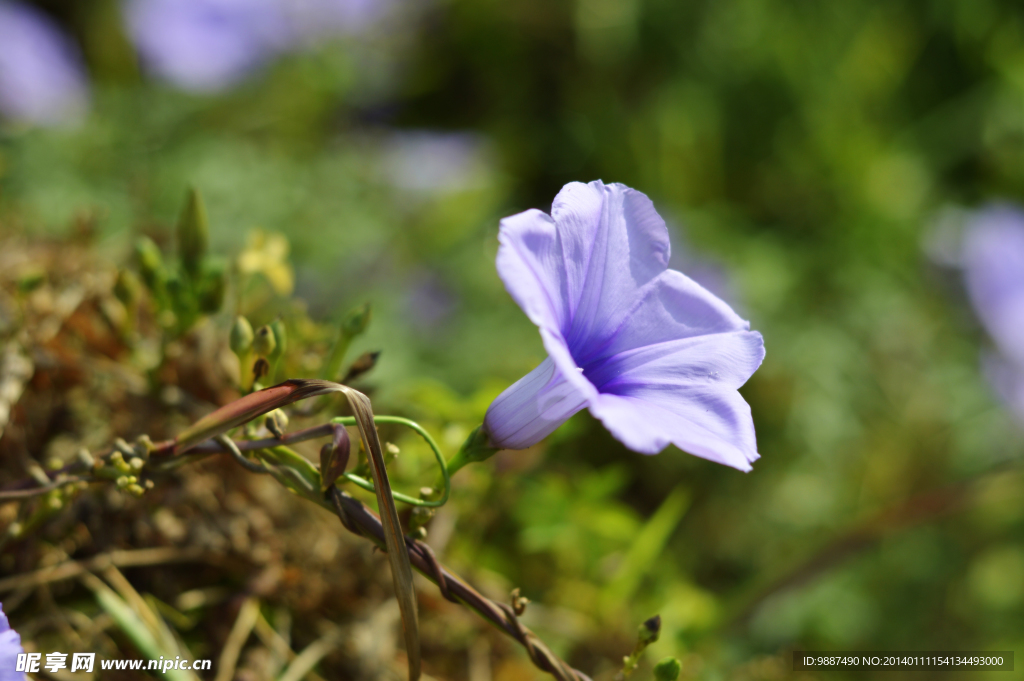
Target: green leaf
[(649, 544)]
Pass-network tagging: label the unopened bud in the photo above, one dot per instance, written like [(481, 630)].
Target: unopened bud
[(193, 232), (276, 421), (280, 339), (356, 321), (650, 630), (143, 446), (667, 670), (37, 473), (151, 264), (264, 342), (363, 363), (241, 337), (117, 460), (85, 458), (334, 457)]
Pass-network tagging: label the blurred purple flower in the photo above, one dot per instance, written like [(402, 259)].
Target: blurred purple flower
[(436, 162), (41, 77), (993, 261), (206, 45), (653, 355), (10, 648)]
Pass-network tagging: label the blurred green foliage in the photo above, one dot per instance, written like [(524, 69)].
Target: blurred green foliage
[(810, 149)]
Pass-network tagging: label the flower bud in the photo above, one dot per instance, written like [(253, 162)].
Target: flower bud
[(334, 457), (151, 264), (241, 337), (356, 321), (363, 363), (280, 339), (193, 233), (276, 421), (667, 670), (649, 631), (85, 458), (264, 343)]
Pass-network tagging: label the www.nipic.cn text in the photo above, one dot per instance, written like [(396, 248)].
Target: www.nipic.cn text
[(86, 662)]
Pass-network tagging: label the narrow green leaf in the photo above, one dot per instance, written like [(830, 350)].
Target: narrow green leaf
[(133, 626), (646, 548)]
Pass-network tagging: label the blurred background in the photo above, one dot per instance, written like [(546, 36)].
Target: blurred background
[(816, 164)]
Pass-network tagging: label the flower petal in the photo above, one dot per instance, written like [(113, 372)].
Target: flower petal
[(672, 306), (994, 263), (682, 392), (530, 264), (532, 408), (613, 243)]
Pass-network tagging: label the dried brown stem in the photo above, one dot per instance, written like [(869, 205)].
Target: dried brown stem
[(14, 495), (359, 519)]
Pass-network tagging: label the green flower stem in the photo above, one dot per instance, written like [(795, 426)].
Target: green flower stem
[(446, 483), (475, 448), (338, 352)]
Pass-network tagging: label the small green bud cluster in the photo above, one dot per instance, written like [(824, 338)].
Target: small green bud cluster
[(266, 344), (421, 515), (124, 465), (192, 288)]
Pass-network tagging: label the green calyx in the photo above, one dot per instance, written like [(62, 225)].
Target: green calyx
[(476, 448)]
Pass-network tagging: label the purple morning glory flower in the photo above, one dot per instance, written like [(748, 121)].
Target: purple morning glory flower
[(653, 355), (206, 45), (10, 648), (993, 260), (41, 78)]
